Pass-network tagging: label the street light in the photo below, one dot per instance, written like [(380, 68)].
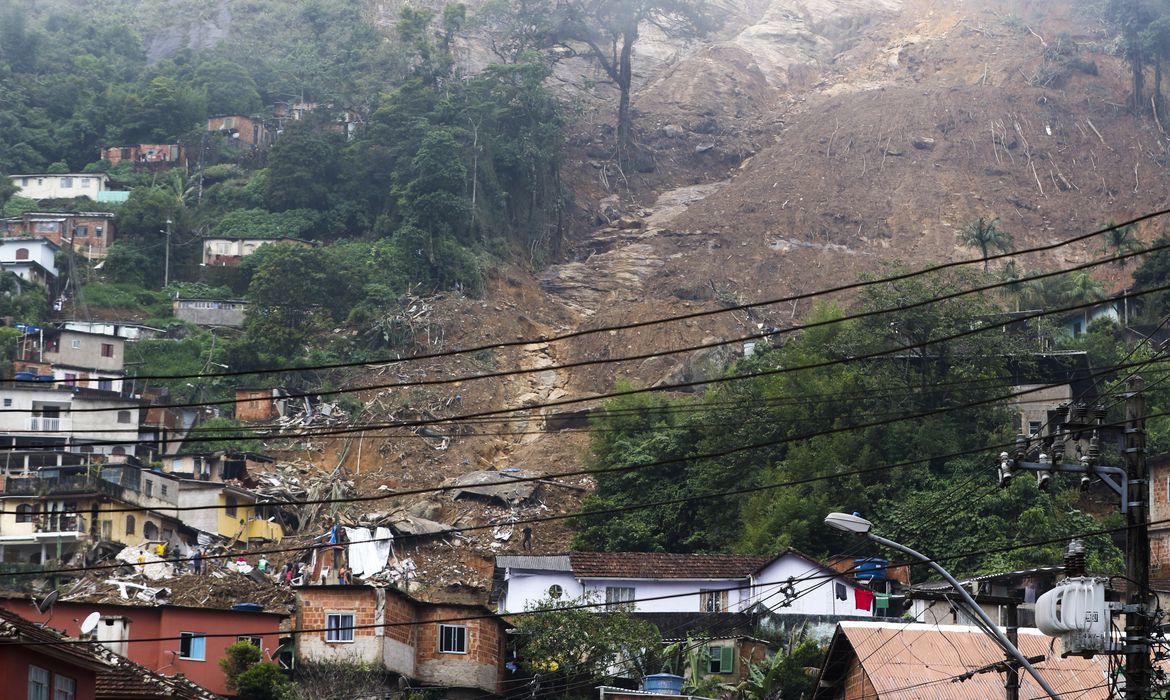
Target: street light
[(860, 526)]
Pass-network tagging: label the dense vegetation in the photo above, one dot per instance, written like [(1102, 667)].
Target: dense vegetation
[(410, 175), (908, 438)]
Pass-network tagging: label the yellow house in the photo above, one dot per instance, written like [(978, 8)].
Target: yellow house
[(239, 519)]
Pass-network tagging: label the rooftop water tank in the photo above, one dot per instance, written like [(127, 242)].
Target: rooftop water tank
[(665, 683), (870, 568)]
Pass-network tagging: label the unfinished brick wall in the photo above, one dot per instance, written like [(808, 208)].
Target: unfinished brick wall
[(399, 610), (857, 684), (480, 667), (316, 604)]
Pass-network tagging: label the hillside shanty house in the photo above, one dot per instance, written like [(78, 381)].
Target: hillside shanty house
[(245, 130), (60, 185), (146, 155), (455, 647), (230, 252), (90, 233), (30, 259), (211, 312)]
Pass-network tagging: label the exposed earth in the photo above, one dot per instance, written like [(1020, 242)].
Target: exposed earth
[(806, 143)]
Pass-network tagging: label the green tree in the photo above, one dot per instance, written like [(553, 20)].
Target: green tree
[(304, 167), (228, 88), (1122, 240), (580, 646), (610, 28), (984, 233), (250, 676), (7, 189)]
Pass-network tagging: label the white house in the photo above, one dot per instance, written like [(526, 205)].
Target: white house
[(60, 185), (789, 583), (31, 259), (42, 414)]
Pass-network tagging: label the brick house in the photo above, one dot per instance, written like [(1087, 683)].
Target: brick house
[(246, 130), (147, 155), (1159, 467), (91, 233), (454, 646), (259, 405)]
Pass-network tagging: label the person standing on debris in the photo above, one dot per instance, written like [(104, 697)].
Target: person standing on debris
[(527, 542), (262, 565), (197, 560), (161, 550)]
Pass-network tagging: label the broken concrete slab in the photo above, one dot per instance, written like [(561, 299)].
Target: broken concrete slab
[(487, 484)]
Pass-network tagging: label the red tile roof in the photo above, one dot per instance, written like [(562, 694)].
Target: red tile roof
[(656, 565), (130, 681)]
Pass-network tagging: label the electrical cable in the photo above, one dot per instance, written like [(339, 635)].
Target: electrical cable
[(691, 348), (595, 470), (711, 312)]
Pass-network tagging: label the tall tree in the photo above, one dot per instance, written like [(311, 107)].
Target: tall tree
[(984, 233), (610, 29), (1120, 240)]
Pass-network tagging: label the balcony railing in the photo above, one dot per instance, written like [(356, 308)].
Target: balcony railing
[(36, 486), (44, 424)]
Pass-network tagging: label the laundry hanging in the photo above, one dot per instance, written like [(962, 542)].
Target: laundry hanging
[(863, 598)]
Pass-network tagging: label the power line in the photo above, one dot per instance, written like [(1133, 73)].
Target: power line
[(593, 471), (632, 392), (994, 550), (710, 312), (690, 348), (568, 516)]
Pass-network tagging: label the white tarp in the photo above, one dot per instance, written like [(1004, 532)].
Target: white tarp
[(366, 556)]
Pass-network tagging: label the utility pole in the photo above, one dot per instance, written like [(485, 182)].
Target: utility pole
[(167, 264), (1012, 682), (1137, 546)]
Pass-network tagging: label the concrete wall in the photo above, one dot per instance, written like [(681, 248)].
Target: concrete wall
[(525, 588), (206, 312), (78, 349), (815, 595), (673, 595), (39, 251)]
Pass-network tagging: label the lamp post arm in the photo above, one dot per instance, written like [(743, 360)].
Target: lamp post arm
[(996, 633)]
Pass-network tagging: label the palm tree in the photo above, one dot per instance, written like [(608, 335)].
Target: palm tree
[(1120, 240), (984, 233)]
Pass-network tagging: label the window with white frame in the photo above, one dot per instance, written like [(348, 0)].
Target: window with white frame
[(254, 641), (339, 627), (76, 344), (64, 687), (616, 595), (192, 646), (38, 683), (452, 639)]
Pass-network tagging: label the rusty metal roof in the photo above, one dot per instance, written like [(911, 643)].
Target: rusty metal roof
[(917, 662)]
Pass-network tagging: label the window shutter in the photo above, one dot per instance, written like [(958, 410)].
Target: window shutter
[(726, 657)]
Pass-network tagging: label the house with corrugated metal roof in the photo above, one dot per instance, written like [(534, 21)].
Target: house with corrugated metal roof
[(909, 661)]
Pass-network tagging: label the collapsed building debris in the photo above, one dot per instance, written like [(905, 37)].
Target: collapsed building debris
[(486, 485)]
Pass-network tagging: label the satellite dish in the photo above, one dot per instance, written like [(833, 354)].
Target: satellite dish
[(90, 623), (46, 603)]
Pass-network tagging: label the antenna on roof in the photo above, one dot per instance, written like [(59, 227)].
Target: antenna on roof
[(45, 605), (90, 623)]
